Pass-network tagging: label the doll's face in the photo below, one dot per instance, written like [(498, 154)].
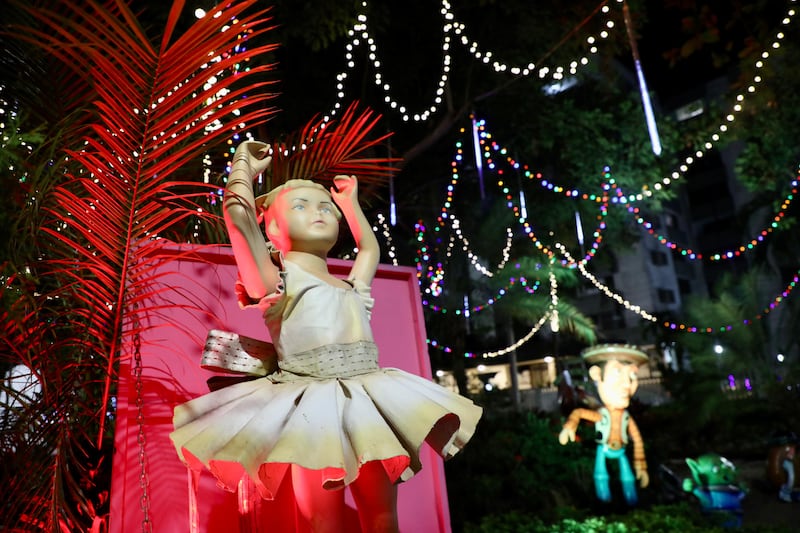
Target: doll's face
[(618, 382), (308, 216)]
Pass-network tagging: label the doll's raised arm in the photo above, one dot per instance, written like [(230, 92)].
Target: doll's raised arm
[(256, 270), (345, 194)]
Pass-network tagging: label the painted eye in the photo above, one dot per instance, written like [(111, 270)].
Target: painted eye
[(326, 210), (298, 207)]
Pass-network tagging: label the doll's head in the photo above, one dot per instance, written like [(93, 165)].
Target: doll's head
[(615, 369), (282, 205)]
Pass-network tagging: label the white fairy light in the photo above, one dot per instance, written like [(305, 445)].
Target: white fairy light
[(647, 190), (455, 224), (528, 336), (603, 288), (554, 323), (360, 34)]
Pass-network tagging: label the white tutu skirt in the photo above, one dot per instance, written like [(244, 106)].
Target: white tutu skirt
[(335, 425)]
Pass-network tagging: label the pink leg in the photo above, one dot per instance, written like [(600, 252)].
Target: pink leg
[(321, 509), (376, 499)]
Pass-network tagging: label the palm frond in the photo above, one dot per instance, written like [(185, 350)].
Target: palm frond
[(323, 149), (531, 307), (125, 193)]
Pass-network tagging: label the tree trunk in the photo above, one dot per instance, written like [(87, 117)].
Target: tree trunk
[(512, 367)]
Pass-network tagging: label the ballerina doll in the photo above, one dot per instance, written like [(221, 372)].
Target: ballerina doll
[(329, 417)]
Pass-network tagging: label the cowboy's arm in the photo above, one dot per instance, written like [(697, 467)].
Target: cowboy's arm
[(571, 425), (639, 461)]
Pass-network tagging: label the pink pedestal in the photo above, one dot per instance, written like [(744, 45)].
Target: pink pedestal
[(198, 296)]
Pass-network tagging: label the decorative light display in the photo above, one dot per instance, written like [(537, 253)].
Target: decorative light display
[(525, 338), (521, 281), (725, 254), (681, 326), (603, 199), (603, 288), (554, 324), (238, 128), (774, 303), (452, 29), (489, 153), (611, 194), (473, 259), (387, 235), (617, 197), (730, 117)]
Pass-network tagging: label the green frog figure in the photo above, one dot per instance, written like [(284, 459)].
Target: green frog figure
[(715, 483)]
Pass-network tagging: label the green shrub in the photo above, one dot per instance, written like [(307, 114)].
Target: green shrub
[(515, 463), (657, 519)]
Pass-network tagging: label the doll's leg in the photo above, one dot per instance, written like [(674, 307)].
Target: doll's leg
[(628, 481), (322, 509), (376, 499), (601, 486)]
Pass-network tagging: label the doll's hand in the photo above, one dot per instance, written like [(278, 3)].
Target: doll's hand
[(566, 435), (642, 476), (254, 153), (345, 188)]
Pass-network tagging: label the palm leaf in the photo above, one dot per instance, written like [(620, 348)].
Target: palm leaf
[(323, 149), (126, 193), (530, 308)]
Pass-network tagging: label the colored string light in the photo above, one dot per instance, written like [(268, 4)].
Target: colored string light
[(722, 255), (522, 282), (774, 303), (619, 197)]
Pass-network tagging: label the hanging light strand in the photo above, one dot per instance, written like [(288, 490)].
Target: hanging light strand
[(603, 288), (725, 254), (487, 355), (522, 282), (451, 29), (724, 126)]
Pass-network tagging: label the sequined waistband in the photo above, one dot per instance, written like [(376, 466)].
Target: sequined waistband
[(330, 361)]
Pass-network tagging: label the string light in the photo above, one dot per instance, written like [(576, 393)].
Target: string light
[(387, 236), (603, 288), (554, 324), (724, 126), (531, 68), (774, 303), (722, 255), (486, 355), (451, 28), (620, 198), (455, 224), (523, 282)]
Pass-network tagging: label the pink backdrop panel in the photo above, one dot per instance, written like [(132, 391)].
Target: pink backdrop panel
[(196, 296)]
